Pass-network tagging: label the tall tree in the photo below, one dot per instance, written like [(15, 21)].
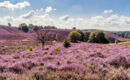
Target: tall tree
[(41, 36)]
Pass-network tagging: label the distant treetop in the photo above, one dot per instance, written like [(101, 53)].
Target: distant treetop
[(74, 28), (23, 27), (9, 24), (49, 27)]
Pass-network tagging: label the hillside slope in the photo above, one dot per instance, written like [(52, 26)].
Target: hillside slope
[(12, 33), (63, 34)]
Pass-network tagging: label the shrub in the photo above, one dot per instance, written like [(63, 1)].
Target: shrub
[(82, 35), (30, 48), (56, 50), (87, 36), (74, 36), (92, 37), (98, 37), (66, 43), (23, 27)]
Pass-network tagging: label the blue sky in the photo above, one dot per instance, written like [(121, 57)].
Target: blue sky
[(71, 10), (81, 7)]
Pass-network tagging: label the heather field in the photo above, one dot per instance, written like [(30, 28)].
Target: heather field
[(64, 39), (13, 40), (79, 61)]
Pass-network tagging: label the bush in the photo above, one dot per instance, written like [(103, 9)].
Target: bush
[(82, 35), (74, 36), (87, 34), (98, 37), (56, 50), (66, 43), (23, 27), (30, 48)]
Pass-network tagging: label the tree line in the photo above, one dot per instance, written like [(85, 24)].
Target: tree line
[(124, 34), (24, 27)]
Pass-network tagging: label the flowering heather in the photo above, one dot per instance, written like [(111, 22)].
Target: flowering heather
[(81, 58)]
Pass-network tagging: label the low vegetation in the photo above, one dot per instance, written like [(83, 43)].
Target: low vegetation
[(87, 62), (30, 48), (93, 37), (56, 50), (87, 34), (71, 59), (66, 43), (82, 35), (74, 36), (98, 37)]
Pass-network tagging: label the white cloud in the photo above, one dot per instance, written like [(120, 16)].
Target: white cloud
[(8, 18), (28, 15), (112, 22), (45, 16), (65, 17), (10, 6), (108, 11), (49, 9)]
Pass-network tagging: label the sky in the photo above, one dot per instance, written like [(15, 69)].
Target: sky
[(112, 15)]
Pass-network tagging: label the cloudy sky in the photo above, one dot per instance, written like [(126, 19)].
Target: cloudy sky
[(83, 14)]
